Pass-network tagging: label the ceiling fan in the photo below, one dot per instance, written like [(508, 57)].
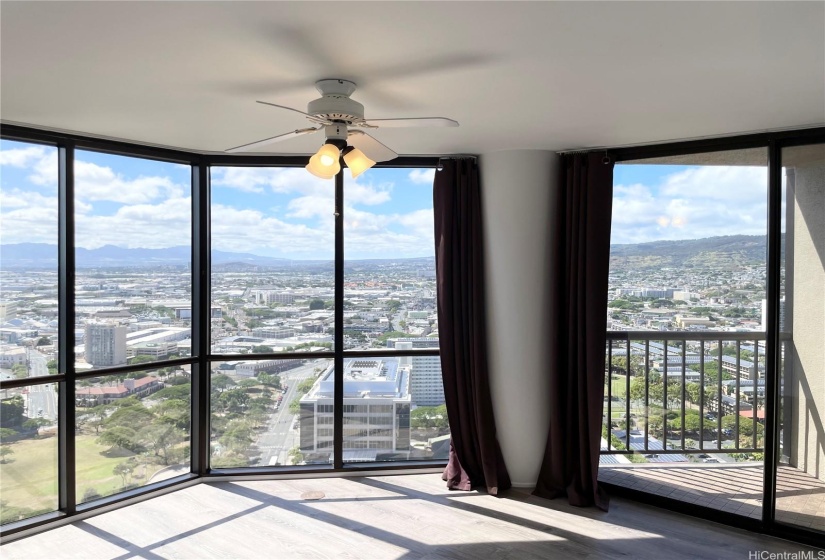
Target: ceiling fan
[(342, 120)]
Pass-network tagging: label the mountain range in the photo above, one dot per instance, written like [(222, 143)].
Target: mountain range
[(723, 251), (717, 251), (44, 255)]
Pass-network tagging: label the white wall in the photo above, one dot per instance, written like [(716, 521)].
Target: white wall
[(808, 391), (518, 197)]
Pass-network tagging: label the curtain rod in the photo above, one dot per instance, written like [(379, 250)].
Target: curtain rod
[(439, 166)]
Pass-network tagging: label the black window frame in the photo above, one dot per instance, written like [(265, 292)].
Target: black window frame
[(774, 142), (201, 355)]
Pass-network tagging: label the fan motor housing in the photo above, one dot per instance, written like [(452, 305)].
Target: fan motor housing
[(337, 108)]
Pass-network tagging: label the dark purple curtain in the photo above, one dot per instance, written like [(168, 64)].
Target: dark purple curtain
[(576, 339), (475, 456)]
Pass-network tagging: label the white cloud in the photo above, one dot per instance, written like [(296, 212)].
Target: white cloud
[(27, 217), (422, 176), (296, 180), (695, 203), (151, 226), (251, 231), (24, 157), (369, 235), (40, 160), (97, 182)]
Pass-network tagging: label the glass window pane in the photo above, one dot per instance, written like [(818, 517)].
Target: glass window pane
[(272, 260), (133, 284), (389, 302), (260, 413), (28, 451), (688, 263), (132, 430), (28, 260)]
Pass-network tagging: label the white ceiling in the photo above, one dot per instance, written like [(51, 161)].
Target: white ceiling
[(538, 75)]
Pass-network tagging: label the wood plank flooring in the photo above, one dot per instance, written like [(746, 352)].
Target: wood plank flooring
[(410, 517)]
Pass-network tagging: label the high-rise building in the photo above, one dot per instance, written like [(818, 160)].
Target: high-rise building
[(105, 344), (426, 384), (376, 412)]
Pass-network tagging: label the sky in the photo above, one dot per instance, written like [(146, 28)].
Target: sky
[(288, 213), (672, 202)]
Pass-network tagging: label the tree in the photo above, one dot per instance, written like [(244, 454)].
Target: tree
[(262, 349), (316, 304), (269, 380), (11, 412), (160, 439), (295, 456), (125, 469), (237, 437), (134, 417), (7, 434), (141, 360), (295, 406), (35, 424), (174, 413), (19, 371), (120, 436), (393, 305), (51, 365), (691, 421), (429, 417), (221, 382), (175, 392), (305, 386), (5, 452), (97, 415), (233, 401)]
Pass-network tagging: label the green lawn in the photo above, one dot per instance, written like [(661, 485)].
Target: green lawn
[(29, 478), (618, 386)]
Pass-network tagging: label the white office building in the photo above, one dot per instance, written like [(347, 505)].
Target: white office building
[(426, 385), (376, 412), (105, 344)]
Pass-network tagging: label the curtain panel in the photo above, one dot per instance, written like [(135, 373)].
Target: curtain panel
[(576, 339), (475, 456)]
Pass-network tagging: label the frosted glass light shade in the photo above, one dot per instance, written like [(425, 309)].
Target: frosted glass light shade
[(357, 162), (324, 163)]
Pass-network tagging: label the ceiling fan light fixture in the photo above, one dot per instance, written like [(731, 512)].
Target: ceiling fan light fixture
[(357, 161), (324, 163)]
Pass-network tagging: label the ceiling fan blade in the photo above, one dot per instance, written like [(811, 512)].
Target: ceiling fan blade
[(283, 107), (371, 147), (414, 121), (280, 138)]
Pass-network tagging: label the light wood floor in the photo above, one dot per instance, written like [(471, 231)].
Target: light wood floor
[(731, 487), (403, 517)]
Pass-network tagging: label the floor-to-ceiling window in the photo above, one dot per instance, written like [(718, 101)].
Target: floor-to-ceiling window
[(685, 396), (126, 363), (28, 330), (273, 319), (395, 409), (713, 384)]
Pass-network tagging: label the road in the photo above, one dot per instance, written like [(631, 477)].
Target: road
[(279, 436), (41, 400)]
